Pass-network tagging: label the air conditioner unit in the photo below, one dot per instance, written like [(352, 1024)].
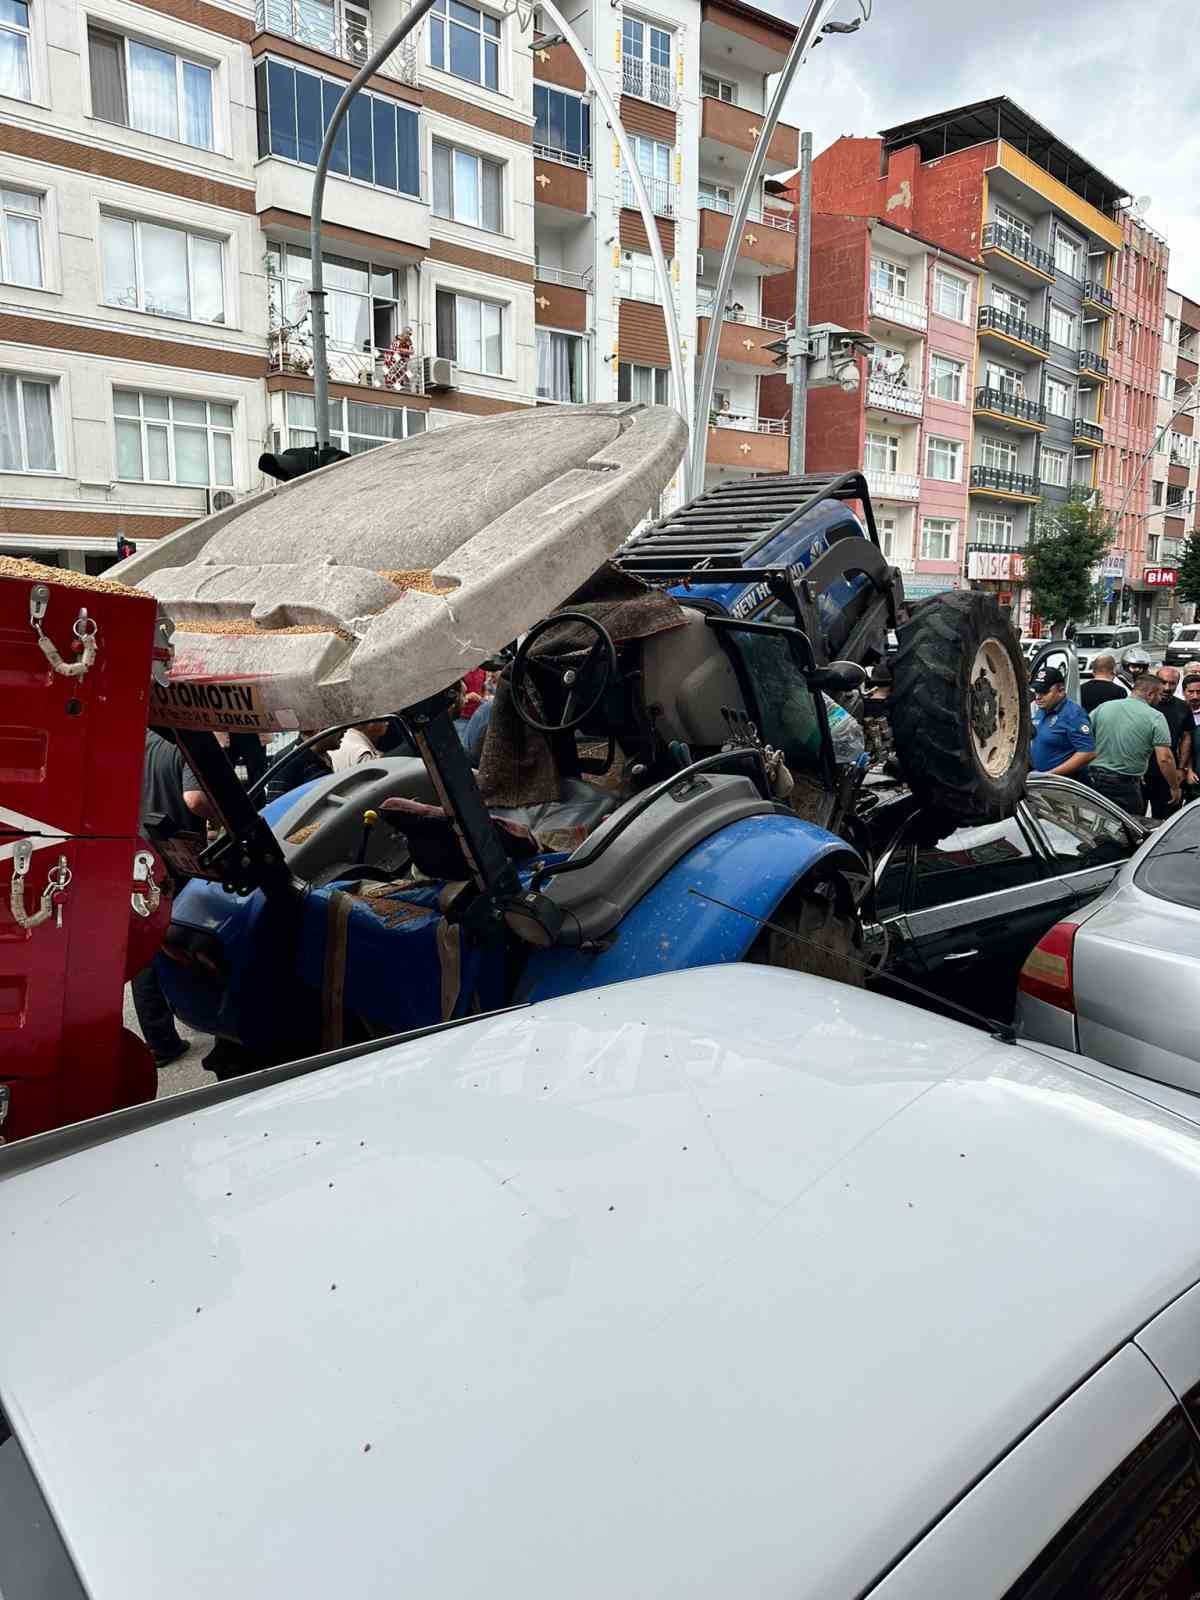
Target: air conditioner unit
[(438, 373), (221, 499)]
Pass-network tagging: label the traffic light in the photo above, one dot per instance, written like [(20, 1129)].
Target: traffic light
[(288, 464), (125, 547)]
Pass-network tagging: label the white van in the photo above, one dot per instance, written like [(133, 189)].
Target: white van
[(1093, 642)]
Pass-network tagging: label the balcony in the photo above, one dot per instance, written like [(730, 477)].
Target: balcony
[(1008, 485), (1097, 296), (1088, 433), (1015, 407), (767, 245), (725, 128), (755, 444), (894, 308), (561, 275), (1011, 243), (753, 319), (1008, 330), (660, 190), (1092, 365), (289, 354), (564, 187), (892, 485), (335, 31), (744, 337), (884, 394), (646, 81)]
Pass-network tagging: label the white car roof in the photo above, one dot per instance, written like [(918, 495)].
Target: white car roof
[(725, 1282)]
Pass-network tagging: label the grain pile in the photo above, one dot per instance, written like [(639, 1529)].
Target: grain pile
[(37, 572), (419, 578), (245, 628)]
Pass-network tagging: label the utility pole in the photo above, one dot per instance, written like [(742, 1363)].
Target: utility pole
[(799, 341)]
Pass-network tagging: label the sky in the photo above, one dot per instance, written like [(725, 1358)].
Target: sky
[(1114, 79)]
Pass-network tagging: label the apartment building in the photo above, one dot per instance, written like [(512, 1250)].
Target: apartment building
[(989, 249), (1174, 474)]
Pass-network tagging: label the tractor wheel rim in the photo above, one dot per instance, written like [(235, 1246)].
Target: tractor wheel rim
[(995, 708)]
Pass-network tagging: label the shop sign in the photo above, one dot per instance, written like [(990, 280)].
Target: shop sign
[(1161, 577), (996, 566)]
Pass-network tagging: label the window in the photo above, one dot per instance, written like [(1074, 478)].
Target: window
[(946, 378), (353, 427), (378, 143), (562, 125), (654, 164), (1054, 468), (1170, 330), (21, 238), (1152, 542), (167, 439), (888, 529), (1015, 224), (636, 277), (995, 528), (882, 452), (148, 267), (646, 61), (888, 277), (467, 187), (472, 50), (140, 86), (1008, 380), (362, 310), (1156, 492), (1012, 304), (1063, 327), (561, 367), (650, 385), (1068, 254), (998, 453), (26, 425), (718, 89), (471, 332), (951, 295), (1166, 385), (938, 536), (14, 50), (1060, 398), (943, 459), (715, 196), (971, 862)]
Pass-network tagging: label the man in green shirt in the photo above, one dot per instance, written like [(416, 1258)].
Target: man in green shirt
[(1128, 732)]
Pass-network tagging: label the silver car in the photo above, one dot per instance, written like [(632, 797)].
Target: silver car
[(1119, 979)]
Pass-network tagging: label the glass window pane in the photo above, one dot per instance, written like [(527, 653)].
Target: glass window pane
[(14, 66), (117, 267), (384, 120), (493, 352), (39, 427), (446, 325), (342, 273), (196, 83), (191, 455), (158, 466), (125, 402), (349, 319), (367, 419), (156, 405), (557, 114), (491, 26), (541, 114), (261, 109), (464, 53), (492, 207), (467, 15), (441, 179), (466, 187), (190, 411), (220, 416), (310, 124), (414, 422), (153, 106), (491, 64), (301, 439), (281, 87), (106, 57), (339, 161), (222, 459), (208, 281), (10, 424), (437, 43), (470, 346), (301, 410), (23, 251), (129, 450), (408, 147), (361, 161), (383, 283), (164, 270)]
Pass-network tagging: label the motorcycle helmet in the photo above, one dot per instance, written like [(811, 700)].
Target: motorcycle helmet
[(1134, 661)]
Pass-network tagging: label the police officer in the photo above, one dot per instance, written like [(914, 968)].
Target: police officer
[(1062, 734)]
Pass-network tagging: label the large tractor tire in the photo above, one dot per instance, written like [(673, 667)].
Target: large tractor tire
[(960, 708), (815, 930)]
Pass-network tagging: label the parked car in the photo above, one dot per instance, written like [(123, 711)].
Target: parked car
[(958, 912), (1119, 979), (1184, 647), (682, 1287), (1093, 642)]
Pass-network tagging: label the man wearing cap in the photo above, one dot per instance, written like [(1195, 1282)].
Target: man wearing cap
[(1062, 734)]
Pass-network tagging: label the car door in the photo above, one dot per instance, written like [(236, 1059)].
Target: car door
[(1059, 654), (1086, 839), (977, 901)]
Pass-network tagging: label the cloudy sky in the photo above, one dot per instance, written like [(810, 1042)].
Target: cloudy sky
[(1115, 79)]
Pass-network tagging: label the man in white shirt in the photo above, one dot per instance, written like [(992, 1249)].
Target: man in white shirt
[(358, 745)]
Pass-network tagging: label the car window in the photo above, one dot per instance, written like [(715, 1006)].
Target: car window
[(1136, 1536), (778, 698), (973, 861), (1171, 871), (1079, 832)]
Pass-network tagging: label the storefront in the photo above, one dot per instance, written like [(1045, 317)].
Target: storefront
[(1002, 573)]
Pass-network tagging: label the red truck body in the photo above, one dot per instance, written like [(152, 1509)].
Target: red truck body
[(71, 754)]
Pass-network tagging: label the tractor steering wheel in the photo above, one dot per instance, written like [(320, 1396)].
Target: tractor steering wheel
[(581, 700)]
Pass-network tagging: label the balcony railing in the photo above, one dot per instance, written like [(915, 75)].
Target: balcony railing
[(335, 32), (892, 485), (566, 158), (1010, 405), (1003, 481), (569, 280), (1089, 361), (660, 190), (891, 307), (992, 319), (888, 395), (761, 219), (290, 351), (746, 422), (1098, 295), (1014, 243), (704, 308), (647, 81), (1091, 431)]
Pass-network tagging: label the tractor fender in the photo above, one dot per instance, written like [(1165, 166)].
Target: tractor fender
[(752, 864)]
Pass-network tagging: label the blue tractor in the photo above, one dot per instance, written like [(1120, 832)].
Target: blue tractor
[(670, 780)]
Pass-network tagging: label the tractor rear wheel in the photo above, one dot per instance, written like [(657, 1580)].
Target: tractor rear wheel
[(815, 930)]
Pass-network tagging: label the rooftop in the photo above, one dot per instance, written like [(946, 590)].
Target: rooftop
[(944, 132)]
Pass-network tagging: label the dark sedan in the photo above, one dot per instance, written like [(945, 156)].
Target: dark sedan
[(962, 911)]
